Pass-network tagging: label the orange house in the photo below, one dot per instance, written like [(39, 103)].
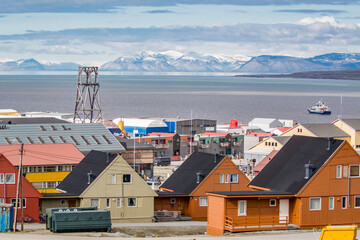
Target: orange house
[(310, 182), (185, 190)]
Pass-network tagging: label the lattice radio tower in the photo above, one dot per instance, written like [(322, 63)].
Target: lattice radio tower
[(87, 102)]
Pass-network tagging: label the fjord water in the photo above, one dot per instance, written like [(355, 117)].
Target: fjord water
[(212, 97)]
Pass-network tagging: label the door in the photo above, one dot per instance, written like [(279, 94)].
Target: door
[(72, 202), (283, 210)]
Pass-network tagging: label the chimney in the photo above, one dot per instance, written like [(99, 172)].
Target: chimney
[(199, 177), (330, 139), (90, 176), (309, 169)]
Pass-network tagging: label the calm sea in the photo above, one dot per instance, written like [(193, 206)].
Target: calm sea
[(212, 97)]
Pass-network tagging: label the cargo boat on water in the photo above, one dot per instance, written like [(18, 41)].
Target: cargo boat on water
[(320, 108)]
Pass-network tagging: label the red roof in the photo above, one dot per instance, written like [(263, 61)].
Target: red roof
[(261, 134), (42, 154), (265, 161), (161, 134), (283, 129), (214, 134)]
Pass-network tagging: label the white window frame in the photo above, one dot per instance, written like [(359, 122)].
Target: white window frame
[(315, 198), (244, 204), (13, 201), (355, 197), (135, 202), (272, 205), (2, 178), (113, 179), (331, 201), (108, 202), (342, 202), (1, 200), (118, 202), (6, 174), (226, 178), (232, 180), (98, 202), (126, 182), (338, 171), (222, 177), (203, 201)]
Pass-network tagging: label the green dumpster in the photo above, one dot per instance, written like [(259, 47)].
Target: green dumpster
[(50, 212), (91, 220)]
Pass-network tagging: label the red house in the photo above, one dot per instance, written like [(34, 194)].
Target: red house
[(8, 186)]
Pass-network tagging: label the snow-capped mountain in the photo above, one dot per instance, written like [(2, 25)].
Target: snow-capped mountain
[(174, 61)]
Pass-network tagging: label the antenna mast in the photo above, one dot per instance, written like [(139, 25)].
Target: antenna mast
[(87, 102)]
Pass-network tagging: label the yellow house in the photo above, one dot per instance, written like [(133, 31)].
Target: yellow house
[(351, 127), (266, 146), (109, 182), (324, 130)]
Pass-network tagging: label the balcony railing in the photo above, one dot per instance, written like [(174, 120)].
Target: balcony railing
[(204, 145), (224, 144), (255, 223), (161, 145)]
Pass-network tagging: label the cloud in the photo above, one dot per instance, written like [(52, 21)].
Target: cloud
[(159, 11), (26, 6), (311, 11)]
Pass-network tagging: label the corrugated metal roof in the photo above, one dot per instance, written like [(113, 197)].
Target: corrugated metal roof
[(325, 130), (85, 136), (138, 122), (282, 139), (354, 123)]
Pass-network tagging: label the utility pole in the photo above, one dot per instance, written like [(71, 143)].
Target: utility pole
[(17, 190), (87, 102)]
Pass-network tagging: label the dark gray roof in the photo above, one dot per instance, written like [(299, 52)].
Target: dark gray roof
[(85, 136), (325, 130), (286, 171), (183, 180), (77, 181), (354, 123), (128, 144), (251, 193), (30, 120), (282, 139)]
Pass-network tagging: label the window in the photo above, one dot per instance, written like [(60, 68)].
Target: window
[(357, 201), (272, 202), (113, 179), (344, 202), (315, 203), (338, 171), (242, 208), (50, 169), (94, 202), (1, 200), (37, 185), (221, 178), (172, 200), (1, 178), (354, 171), (51, 184), (118, 202), (331, 203), (345, 171), (10, 178), (127, 178), (234, 178), (226, 178), (63, 202), (108, 202), (13, 202), (131, 202), (203, 201)]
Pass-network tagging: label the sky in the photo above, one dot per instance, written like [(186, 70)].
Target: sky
[(93, 32)]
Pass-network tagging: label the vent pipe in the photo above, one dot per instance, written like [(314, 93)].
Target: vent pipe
[(330, 139), (309, 170), (199, 177), (90, 176)]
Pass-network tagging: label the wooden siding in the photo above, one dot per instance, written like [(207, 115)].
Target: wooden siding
[(324, 185), (216, 213), (164, 203)]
